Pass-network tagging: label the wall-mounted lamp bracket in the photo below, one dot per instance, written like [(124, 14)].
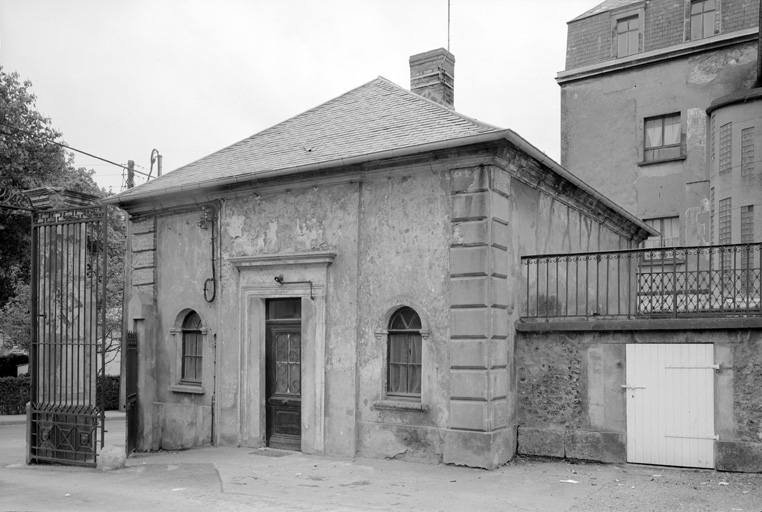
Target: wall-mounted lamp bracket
[(279, 279), (206, 217)]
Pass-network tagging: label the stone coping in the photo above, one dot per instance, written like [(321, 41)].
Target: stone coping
[(641, 324)]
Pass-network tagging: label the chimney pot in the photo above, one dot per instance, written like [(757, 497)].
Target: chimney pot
[(432, 75)]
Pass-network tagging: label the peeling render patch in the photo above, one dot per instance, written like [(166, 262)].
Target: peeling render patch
[(234, 226), (708, 69), (309, 233), (457, 236)]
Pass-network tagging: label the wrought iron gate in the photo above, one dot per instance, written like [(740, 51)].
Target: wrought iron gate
[(131, 393), (69, 275)]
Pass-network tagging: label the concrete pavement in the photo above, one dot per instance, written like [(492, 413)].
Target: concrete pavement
[(265, 479), (20, 419)]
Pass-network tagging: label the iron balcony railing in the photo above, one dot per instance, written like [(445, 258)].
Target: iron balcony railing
[(720, 280)]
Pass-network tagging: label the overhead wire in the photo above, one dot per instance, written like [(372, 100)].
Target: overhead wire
[(51, 141)]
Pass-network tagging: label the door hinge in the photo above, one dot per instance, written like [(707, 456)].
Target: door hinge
[(714, 437), (710, 367)]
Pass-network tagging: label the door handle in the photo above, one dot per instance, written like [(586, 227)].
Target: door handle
[(633, 387)]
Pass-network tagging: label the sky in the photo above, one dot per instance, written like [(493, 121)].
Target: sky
[(120, 78)]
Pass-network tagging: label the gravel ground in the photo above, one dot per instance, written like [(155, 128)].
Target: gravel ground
[(646, 488)]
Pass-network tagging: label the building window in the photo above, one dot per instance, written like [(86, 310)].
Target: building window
[(726, 141), (711, 134), (725, 231), (747, 151), (669, 232), (747, 224), (404, 354), (662, 138), (749, 277), (711, 215), (192, 354), (725, 218), (627, 36), (702, 18)]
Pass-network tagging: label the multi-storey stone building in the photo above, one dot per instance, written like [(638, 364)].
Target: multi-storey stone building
[(640, 120), (652, 355)]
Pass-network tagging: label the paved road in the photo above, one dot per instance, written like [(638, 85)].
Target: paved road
[(233, 479)]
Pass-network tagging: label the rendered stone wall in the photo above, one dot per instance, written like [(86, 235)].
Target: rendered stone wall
[(747, 400), (182, 415), (570, 399), (571, 403), (140, 274), (277, 221), (549, 375), (403, 261)]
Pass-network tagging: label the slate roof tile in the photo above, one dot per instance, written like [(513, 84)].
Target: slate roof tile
[(377, 116), (608, 5)]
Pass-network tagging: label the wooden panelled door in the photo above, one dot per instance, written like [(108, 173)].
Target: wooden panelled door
[(670, 404), (283, 355)]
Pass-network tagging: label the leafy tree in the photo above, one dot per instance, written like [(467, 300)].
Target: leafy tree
[(15, 315), (30, 158), (115, 249)]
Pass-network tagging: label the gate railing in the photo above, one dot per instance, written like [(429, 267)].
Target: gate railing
[(720, 280), (68, 307)]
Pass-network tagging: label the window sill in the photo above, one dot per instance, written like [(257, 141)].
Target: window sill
[(186, 388), (661, 161), (400, 405)]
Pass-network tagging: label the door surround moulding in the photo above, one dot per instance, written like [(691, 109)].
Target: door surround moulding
[(256, 285)]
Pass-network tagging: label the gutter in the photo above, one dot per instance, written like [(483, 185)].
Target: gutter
[(650, 57), (304, 169), (509, 135), (544, 159)]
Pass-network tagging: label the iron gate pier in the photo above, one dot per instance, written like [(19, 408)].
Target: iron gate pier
[(69, 274), (131, 381)]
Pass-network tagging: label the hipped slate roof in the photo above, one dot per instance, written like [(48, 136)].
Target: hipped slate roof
[(608, 5), (376, 117)]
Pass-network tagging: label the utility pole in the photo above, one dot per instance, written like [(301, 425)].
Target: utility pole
[(126, 295), (130, 173), (759, 49)]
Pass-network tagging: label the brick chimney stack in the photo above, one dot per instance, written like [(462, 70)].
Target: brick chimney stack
[(432, 75)]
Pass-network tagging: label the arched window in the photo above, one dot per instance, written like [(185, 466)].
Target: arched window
[(404, 354), (192, 349)]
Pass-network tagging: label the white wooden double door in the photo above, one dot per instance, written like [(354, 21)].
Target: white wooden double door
[(670, 404)]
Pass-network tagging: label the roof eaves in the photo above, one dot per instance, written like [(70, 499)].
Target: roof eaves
[(522, 144), (509, 135), (138, 197)]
